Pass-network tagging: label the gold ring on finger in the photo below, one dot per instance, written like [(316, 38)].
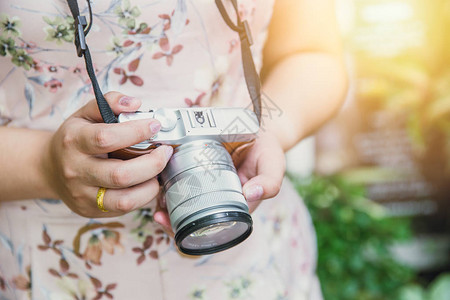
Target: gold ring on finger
[(100, 196)]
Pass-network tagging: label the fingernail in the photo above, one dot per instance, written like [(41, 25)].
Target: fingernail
[(253, 193), (169, 152), (155, 126), (125, 100), (155, 219)]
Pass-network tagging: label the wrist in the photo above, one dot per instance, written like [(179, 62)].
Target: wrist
[(281, 128), (22, 164), (270, 136), (45, 167)]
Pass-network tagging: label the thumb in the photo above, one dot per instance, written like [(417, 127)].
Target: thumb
[(267, 182), (118, 102)]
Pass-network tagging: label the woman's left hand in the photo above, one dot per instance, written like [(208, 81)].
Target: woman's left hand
[(261, 169), (260, 166)]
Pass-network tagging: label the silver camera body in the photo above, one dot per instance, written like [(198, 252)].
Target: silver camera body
[(207, 209)]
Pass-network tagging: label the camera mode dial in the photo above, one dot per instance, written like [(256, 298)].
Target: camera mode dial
[(167, 118)]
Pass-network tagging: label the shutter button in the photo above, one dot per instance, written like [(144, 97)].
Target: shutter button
[(167, 118)]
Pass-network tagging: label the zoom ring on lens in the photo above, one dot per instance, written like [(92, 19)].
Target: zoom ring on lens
[(199, 191)]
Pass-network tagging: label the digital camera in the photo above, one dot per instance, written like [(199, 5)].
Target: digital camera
[(207, 209)]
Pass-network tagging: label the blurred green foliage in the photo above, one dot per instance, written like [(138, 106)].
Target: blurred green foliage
[(354, 236)]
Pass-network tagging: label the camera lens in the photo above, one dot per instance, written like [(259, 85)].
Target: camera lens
[(204, 198), (214, 233)]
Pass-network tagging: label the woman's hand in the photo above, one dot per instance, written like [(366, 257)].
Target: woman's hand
[(260, 166), (76, 163), (261, 169)]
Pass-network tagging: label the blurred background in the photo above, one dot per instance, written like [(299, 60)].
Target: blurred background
[(376, 178)]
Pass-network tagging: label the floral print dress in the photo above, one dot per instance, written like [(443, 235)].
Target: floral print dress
[(170, 53)]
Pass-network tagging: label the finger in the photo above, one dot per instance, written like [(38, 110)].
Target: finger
[(126, 200), (162, 201), (102, 138), (238, 155), (161, 216), (118, 102), (268, 181), (253, 205), (243, 178), (261, 187), (115, 173)]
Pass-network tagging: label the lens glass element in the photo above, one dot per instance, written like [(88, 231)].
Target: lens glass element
[(214, 235)]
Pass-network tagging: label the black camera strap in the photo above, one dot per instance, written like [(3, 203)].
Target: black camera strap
[(251, 75), (81, 30), (248, 64)]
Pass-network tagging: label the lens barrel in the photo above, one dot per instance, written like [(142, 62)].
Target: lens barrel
[(207, 209)]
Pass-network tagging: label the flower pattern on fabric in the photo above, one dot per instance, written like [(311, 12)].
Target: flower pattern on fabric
[(60, 30), (102, 238), (9, 25), (173, 53), (127, 14)]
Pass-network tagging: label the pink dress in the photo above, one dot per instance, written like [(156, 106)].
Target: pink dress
[(172, 53)]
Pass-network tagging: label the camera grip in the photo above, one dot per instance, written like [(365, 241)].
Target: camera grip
[(129, 153)]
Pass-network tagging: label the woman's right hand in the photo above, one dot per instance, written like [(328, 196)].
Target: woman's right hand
[(77, 163)]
